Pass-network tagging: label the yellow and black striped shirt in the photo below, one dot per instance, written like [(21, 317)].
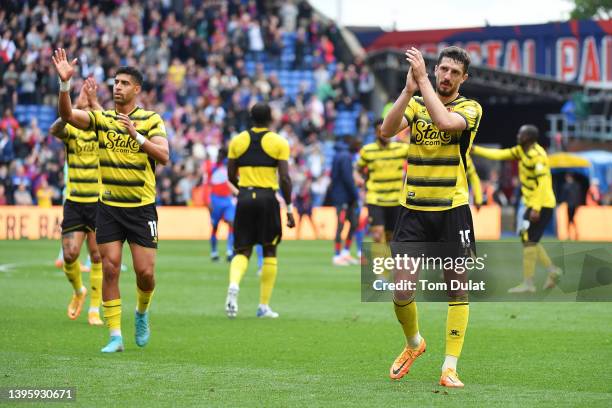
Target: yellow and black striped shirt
[(83, 181), (385, 165), (127, 172), (534, 173), (436, 177), (257, 152)]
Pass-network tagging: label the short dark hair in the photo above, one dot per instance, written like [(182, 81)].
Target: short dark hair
[(261, 114), (531, 132), (457, 54), (133, 72), (378, 122)]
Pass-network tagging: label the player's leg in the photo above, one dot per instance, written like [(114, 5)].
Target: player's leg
[(110, 253), (338, 260), (458, 228), (554, 272), (244, 239), (215, 218), (267, 281), (229, 214), (71, 246), (95, 279), (352, 215), (269, 233), (410, 228), (110, 235), (144, 267)]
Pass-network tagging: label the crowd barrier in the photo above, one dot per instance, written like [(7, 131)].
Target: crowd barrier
[(25, 222)]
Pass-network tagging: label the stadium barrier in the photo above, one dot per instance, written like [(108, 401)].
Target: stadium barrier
[(593, 223), (190, 223)]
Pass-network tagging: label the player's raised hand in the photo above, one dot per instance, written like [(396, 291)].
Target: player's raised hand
[(415, 58), (91, 91), (81, 100), (290, 220), (64, 68), (127, 124), (411, 84)]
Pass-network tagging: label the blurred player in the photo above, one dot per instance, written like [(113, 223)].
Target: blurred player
[(80, 206), (222, 205), (382, 164), (474, 182), (345, 197), (131, 141), (435, 195), (260, 157), (539, 199)]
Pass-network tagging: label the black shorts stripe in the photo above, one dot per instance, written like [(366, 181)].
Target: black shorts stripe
[(429, 202), (125, 183), (130, 166), (84, 195), (431, 182), (439, 161), (126, 200), (84, 180), (387, 180), (83, 166)]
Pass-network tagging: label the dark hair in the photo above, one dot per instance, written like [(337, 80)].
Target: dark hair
[(378, 122), (531, 132), (261, 115), (222, 155), (456, 54), (133, 72)]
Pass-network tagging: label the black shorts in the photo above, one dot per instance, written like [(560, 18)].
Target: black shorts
[(454, 225), (79, 217), (136, 224), (535, 230), (387, 216), (257, 219)]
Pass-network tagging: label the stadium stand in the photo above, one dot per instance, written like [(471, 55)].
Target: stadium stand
[(204, 63)]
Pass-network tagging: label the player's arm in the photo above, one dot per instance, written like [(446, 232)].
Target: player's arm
[(65, 69), (156, 146), (474, 182), (232, 172), (286, 188), (91, 92), (494, 154), (360, 174), (541, 173), (395, 121), (440, 116), (58, 129)]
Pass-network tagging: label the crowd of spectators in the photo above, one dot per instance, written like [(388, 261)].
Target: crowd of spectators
[(195, 56)]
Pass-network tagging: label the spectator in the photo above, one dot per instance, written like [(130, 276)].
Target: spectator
[(44, 194), (22, 196), (571, 194)]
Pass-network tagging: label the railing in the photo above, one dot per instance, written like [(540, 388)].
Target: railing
[(594, 127)]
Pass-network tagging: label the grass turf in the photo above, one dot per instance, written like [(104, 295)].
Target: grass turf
[(327, 348)]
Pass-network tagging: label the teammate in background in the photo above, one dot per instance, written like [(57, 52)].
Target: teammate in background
[(344, 196), (222, 205), (572, 195), (539, 199), (80, 206), (261, 157), (131, 141), (474, 182), (382, 164), (435, 194)]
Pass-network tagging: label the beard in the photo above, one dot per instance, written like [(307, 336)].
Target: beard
[(446, 92)]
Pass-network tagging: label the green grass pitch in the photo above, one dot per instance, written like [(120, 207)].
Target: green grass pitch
[(326, 349)]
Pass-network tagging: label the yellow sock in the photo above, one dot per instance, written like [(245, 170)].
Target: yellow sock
[(456, 325), (143, 300), (530, 255), (543, 257), (406, 312), (238, 268), (73, 273), (268, 277), (95, 279), (112, 315)]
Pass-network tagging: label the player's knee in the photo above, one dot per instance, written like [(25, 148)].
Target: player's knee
[(377, 235), (111, 268), (146, 273), (71, 253)]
